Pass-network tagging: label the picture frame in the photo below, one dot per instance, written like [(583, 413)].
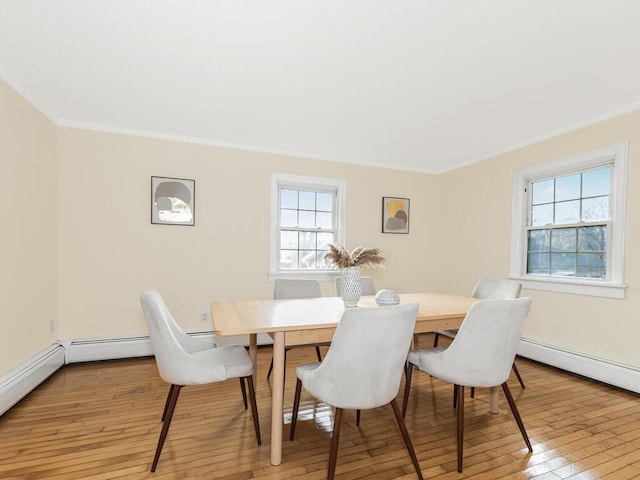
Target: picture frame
[(395, 215), (173, 201)]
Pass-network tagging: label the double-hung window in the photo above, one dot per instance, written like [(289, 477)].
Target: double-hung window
[(307, 214), (568, 224)]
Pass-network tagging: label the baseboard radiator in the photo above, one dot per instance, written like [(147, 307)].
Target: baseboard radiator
[(18, 382)]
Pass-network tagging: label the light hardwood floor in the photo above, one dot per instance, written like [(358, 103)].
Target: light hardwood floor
[(100, 421)]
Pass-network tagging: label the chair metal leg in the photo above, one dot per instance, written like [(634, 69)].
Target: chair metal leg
[(436, 336), (455, 396), (358, 417), (166, 404), (244, 392), (516, 414), (254, 406), (473, 392), (407, 387), (271, 365), (296, 406), (405, 437), (318, 354), (515, 370), (170, 407), (335, 440), (460, 424)]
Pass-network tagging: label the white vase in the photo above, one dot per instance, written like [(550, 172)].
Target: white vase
[(351, 288)]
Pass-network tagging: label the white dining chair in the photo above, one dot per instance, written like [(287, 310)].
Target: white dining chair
[(362, 369), (290, 289), (481, 355), (489, 289), (179, 367), (366, 283)]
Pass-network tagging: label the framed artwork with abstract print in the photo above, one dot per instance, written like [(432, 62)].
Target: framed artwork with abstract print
[(395, 215), (173, 201)]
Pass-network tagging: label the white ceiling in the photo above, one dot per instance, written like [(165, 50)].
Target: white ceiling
[(425, 85)]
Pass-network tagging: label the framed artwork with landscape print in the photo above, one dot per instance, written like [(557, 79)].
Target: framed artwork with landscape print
[(395, 215), (173, 201)]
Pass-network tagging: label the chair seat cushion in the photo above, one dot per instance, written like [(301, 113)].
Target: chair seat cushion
[(216, 365), (448, 333)]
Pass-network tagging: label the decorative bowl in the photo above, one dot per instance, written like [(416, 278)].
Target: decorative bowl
[(387, 297)]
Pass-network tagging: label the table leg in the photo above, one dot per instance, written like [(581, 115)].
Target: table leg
[(493, 399), (253, 353), (277, 398)]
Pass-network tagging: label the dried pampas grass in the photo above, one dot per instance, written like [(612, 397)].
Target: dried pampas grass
[(365, 257)]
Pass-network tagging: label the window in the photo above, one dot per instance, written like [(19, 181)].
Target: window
[(307, 214), (568, 224)]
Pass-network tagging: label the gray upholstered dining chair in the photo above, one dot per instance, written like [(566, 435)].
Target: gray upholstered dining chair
[(179, 366), (490, 289), (481, 355), (362, 368), (289, 289), (368, 287)]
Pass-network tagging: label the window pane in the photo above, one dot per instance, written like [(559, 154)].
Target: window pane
[(592, 265), (288, 259), (563, 240), (542, 215), (307, 259), (324, 220), (307, 219), (538, 263), (542, 192), (324, 202), (568, 212), (288, 198), (596, 183), (307, 240), (288, 218), (289, 239), (324, 239), (592, 239), (595, 209), (568, 188), (563, 264), (539, 240), (322, 262), (307, 200)]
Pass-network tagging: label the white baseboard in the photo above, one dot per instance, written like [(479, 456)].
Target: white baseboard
[(17, 383), (596, 369)]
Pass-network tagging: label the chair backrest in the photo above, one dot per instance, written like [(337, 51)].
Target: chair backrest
[(295, 288), (496, 289), (482, 353), (368, 288), (365, 361)]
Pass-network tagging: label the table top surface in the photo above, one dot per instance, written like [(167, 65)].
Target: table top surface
[(264, 316)]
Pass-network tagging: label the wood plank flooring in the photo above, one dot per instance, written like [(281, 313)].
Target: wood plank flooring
[(100, 421)]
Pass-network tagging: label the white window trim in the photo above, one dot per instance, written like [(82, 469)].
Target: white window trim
[(613, 286), (313, 183)]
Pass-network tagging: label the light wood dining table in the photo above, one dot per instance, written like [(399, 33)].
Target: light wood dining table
[(313, 320)]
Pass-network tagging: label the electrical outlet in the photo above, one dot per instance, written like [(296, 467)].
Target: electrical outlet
[(204, 317)]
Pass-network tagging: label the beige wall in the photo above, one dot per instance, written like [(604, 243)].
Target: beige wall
[(28, 284), (110, 252), (476, 222)]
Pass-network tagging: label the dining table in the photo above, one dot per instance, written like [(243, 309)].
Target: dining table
[(314, 320)]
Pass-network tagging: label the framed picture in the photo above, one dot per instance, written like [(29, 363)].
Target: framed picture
[(173, 201), (395, 215)]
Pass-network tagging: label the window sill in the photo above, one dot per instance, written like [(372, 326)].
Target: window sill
[(574, 286), (321, 276)]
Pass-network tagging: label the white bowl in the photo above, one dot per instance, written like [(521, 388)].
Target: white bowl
[(387, 297)]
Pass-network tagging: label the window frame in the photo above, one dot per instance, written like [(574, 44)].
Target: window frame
[(300, 182), (612, 286)]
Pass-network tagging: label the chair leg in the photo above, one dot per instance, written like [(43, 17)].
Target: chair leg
[(271, 365), (405, 437), (358, 417), (296, 406), (407, 386), (460, 390), (318, 354), (515, 370), (335, 440), (473, 392), (254, 406), (516, 414), (436, 336), (244, 392), (173, 398), (455, 396), (166, 404)]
